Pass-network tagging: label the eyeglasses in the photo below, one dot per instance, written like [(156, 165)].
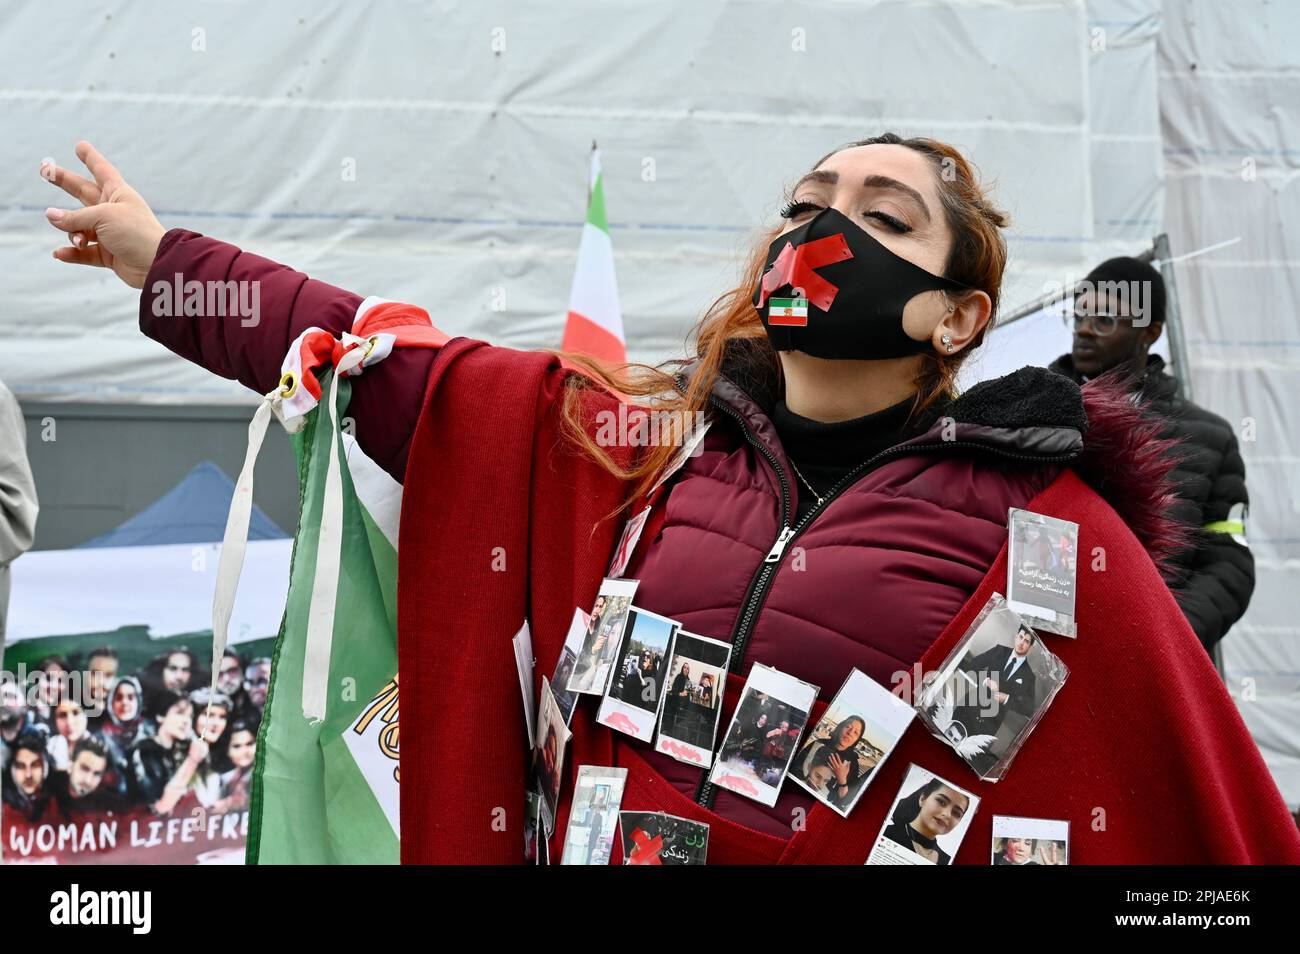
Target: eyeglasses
[(1102, 324)]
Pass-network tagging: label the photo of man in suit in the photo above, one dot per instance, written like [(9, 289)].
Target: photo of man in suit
[(1005, 672), (1006, 685)]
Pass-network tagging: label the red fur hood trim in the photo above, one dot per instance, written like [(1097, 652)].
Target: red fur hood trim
[(1125, 459)]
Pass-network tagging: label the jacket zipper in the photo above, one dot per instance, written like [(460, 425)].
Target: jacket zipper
[(705, 791)]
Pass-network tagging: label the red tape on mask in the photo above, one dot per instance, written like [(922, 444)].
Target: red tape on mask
[(794, 267)]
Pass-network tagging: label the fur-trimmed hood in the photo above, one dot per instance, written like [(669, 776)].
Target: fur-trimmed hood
[(1031, 415)]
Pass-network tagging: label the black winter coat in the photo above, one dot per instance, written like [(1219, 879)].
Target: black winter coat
[(1217, 571)]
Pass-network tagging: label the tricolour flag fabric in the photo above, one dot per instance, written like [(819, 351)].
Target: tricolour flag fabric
[(326, 792), (595, 324)]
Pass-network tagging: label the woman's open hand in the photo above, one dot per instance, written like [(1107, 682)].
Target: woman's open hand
[(116, 229)]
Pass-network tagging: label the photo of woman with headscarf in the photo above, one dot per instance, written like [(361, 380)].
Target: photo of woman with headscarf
[(852, 737), (838, 755), (122, 727), (934, 810)]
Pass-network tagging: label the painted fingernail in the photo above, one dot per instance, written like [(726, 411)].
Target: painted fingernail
[(54, 215)]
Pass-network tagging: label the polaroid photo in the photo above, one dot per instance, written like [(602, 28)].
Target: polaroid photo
[(926, 823), (595, 662), (532, 826), (653, 838), (631, 705), (1042, 569), (854, 736), (697, 678), (568, 701), (627, 542), (763, 734), (593, 818), (1030, 841), (548, 753), (990, 692), (523, 645)]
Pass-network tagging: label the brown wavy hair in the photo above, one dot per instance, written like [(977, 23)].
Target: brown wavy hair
[(977, 259)]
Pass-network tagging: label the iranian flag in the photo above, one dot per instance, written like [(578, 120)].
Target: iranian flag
[(326, 782), (325, 790), (788, 311), (595, 325)]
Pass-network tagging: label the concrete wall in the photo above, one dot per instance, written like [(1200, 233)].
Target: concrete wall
[(95, 465)]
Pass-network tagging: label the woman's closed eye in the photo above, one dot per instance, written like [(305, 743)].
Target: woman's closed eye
[(794, 210)]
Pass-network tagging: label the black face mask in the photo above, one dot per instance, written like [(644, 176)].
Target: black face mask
[(831, 290)]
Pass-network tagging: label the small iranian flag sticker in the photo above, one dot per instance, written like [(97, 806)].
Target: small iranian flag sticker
[(788, 311)]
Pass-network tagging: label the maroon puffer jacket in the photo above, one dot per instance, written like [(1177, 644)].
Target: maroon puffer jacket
[(868, 579)]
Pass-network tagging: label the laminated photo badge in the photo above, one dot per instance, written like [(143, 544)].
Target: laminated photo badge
[(600, 643), (926, 823), (523, 646), (593, 818), (1030, 841), (763, 735), (697, 676), (548, 755), (1042, 570), (855, 734), (631, 704), (532, 826), (653, 838), (567, 700), (990, 692)]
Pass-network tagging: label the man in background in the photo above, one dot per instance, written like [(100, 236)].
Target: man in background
[(1119, 314), (17, 496)]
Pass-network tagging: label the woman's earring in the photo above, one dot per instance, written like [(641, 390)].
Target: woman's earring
[(947, 342)]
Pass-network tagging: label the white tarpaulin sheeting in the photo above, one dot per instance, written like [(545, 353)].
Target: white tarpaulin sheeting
[(1229, 88), (345, 140)]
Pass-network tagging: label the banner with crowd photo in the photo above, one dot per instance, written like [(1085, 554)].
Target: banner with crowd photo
[(109, 750)]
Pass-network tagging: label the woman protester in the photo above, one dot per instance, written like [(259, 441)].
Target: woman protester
[(837, 442)]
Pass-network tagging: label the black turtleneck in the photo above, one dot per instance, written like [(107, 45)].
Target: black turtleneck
[(824, 453)]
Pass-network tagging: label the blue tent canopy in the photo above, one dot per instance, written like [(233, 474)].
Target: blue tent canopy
[(194, 511)]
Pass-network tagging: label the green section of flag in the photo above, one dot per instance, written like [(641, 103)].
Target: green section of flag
[(796, 303), (312, 803), (596, 204)]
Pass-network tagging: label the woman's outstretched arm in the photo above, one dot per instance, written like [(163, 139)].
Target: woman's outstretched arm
[(264, 305)]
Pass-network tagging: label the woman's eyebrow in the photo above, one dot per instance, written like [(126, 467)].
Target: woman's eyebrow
[(830, 177)]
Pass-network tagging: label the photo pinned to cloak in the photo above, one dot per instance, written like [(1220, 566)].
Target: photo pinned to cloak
[(532, 827), (1042, 570), (567, 700), (631, 704), (595, 662), (697, 678), (1030, 841), (992, 690), (654, 838), (763, 734), (523, 647), (926, 823), (853, 737), (593, 817), (548, 754)]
